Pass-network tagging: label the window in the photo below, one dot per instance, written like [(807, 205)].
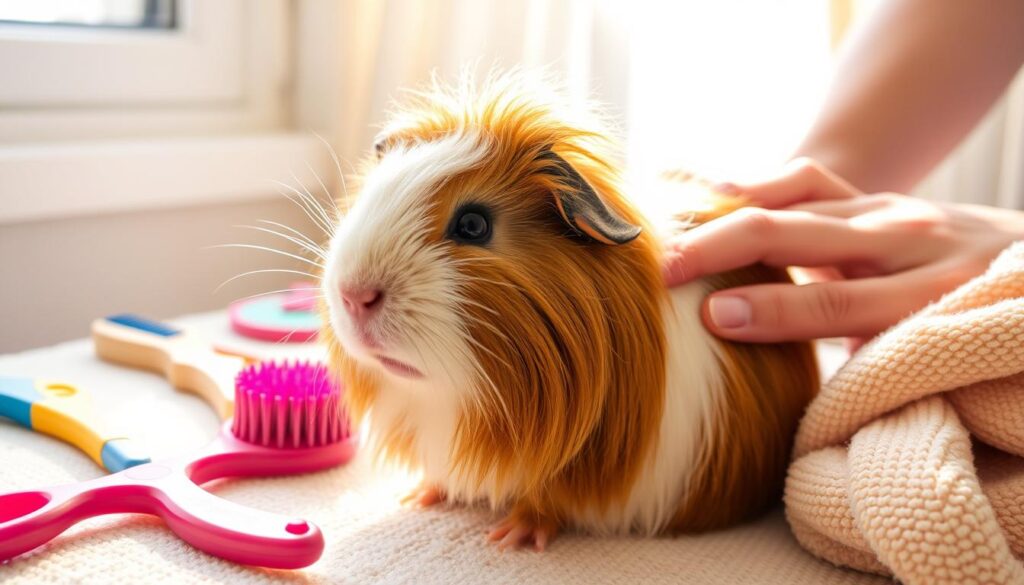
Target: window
[(220, 68), (108, 13), (124, 104)]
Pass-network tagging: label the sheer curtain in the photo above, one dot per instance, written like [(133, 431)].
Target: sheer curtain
[(390, 45), (722, 88), (988, 167)]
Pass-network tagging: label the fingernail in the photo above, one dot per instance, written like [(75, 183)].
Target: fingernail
[(729, 312), (726, 189)]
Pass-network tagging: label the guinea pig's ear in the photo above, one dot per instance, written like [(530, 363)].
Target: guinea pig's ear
[(583, 209), (381, 144)]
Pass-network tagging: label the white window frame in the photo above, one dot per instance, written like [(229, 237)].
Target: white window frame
[(196, 114), (224, 69), (200, 60), (55, 181)]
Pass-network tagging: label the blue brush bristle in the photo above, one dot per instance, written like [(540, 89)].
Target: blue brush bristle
[(143, 324)]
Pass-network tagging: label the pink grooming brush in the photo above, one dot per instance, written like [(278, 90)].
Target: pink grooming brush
[(288, 420)]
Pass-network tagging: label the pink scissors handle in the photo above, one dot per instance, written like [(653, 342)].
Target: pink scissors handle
[(31, 518)]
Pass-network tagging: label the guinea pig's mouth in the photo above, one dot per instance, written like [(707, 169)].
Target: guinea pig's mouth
[(398, 368)]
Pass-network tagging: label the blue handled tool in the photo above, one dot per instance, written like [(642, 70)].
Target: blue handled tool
[(63, 411)]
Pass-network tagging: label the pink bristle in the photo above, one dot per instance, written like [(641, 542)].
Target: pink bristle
[(243, 414), (264, 419), (279, 421), (321, 430), (310, 423), (288, 405), (295, 414)]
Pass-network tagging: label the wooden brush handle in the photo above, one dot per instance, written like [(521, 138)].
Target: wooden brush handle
[(187, 361)]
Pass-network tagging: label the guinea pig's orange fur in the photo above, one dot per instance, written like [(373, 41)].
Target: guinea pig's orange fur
[(767, 388), (578, 377)]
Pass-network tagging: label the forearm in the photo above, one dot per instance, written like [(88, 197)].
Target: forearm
[(909, 86)]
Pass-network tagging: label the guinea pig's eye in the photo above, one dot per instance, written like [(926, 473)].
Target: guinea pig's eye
[(471, 224)]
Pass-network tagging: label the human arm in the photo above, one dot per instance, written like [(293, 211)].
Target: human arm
[(910, 84)]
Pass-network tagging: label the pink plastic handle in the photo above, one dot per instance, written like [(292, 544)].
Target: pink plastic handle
[(222, 528), (170, 489), (229, 456)]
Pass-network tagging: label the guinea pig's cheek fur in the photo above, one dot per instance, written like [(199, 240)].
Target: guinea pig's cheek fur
[(346, 336)]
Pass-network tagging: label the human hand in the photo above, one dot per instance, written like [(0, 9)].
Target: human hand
[(873, 259)]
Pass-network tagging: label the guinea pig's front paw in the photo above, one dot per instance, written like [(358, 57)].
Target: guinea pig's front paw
[(517, 531), (423, 496)]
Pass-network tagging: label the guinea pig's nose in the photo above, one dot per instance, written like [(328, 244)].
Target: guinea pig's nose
[(361, 302)]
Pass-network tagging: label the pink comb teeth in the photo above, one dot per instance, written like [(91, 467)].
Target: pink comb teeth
[(288, 405)]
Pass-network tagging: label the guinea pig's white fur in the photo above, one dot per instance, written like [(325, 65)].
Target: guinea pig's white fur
[(378, 240), (383, 239)]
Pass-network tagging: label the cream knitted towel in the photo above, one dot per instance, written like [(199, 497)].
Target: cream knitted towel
[(884, 479)]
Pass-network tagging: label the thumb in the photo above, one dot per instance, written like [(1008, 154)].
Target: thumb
[(787, 312)]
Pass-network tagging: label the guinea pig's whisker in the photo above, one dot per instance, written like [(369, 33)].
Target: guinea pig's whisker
[(272, 250), (314, 202), (315, 213), (490, 326), (481, 306), (266, 270), (469, 339), (330, 198), (287, 338), (315, 250), (280, 290), (299, 199), (337, 165), (297, 233), (481, 260), (478, 345), (316, 222)]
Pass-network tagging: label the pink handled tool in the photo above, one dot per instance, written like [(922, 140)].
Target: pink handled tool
[(288, 420)]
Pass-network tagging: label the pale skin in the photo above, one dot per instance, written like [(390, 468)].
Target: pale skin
[(874, 258), (909, 86)]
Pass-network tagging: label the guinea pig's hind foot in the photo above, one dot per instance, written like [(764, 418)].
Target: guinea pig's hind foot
[(423, 496), (516, 532)]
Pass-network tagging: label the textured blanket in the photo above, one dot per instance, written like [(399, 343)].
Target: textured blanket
[(370, 538), (910, 462)]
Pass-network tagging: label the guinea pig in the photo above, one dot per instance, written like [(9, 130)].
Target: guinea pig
[(498, 317)]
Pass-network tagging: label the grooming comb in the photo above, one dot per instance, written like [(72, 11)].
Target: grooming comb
[(288, 421), (63, 411)]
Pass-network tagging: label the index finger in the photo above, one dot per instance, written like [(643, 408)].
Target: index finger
[(773, 237)]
